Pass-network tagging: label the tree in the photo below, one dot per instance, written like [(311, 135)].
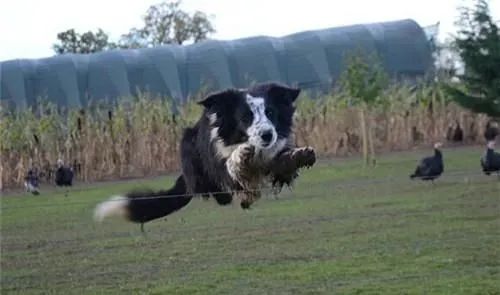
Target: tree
[(478, 45), (164, 23), (167, 23), (71, 41), (364, 79), (446, 60)]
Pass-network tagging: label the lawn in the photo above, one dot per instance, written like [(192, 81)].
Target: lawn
[(343, 229)]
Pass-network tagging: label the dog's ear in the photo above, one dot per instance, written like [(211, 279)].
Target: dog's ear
[(219, 98), (279, 92)]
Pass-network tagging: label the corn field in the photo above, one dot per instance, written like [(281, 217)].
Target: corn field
[(140, 138)]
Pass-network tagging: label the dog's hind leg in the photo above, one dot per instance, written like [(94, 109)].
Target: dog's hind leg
[(223, 199), (208, 190)]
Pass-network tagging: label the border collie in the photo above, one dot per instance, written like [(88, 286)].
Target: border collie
[(241, 144)]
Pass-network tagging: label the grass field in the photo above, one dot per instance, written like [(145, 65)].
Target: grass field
[(343, 229)]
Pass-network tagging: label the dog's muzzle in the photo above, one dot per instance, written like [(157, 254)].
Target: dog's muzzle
[(264, 138)]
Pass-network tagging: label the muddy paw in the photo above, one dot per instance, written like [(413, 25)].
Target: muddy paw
[(248, 198), (247, 153), (304, 157)]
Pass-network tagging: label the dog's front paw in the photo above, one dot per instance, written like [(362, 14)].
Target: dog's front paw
[(304, 157), (247, 198), (240, 164)]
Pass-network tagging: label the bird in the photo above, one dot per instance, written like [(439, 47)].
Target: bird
[(64, 176), (431, 167), (490, 161), (31, 182)]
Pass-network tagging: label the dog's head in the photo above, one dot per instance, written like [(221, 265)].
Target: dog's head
[(260, 115)]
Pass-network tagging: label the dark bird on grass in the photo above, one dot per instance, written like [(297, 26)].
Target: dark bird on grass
[(490, 161), (31, 182), (430, 168), (491, 131), (64, 176)]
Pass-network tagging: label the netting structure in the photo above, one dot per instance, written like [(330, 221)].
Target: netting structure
[(312, 60)]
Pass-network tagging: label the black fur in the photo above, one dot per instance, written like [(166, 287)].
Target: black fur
[(490, 162), (203, 157), (146, 205), (429, 168), (64, 177)]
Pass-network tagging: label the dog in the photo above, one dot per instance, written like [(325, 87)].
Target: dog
[(242, 143)]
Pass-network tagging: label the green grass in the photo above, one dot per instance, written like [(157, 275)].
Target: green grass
[(343, 229)]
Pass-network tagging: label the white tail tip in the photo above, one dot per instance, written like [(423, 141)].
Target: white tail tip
[(115, 206)]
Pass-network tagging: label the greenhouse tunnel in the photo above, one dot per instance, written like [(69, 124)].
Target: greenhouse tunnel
[(313, 60)]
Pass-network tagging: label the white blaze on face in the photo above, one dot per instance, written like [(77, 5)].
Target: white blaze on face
[(261, 133)]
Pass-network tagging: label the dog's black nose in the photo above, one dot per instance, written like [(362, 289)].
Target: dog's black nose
[(266, 136)]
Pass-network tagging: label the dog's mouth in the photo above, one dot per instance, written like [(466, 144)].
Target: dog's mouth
[(263, 145), (266, 144)]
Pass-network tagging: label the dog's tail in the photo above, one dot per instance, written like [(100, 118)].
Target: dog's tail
[(141, 206)]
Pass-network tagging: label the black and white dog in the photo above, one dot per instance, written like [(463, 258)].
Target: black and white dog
[(242, 142)]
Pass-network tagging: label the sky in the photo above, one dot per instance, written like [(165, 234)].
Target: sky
[(28, 28)]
